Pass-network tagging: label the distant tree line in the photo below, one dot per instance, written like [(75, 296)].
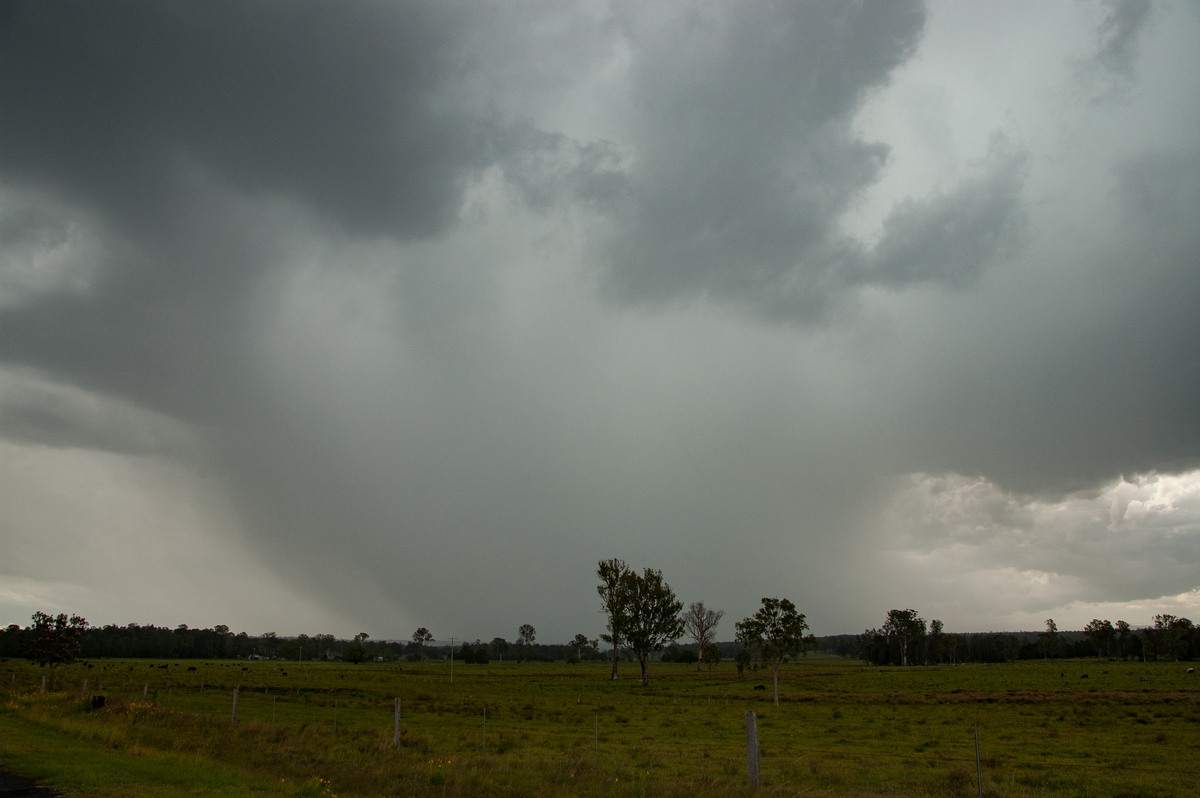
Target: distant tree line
[(643, 617), (906, 639), (644, 623), (182, 642)]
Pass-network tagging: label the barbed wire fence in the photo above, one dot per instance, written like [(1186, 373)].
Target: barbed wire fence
[(597, 727)]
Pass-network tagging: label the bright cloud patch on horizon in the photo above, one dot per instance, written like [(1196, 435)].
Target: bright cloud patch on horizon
[(394, 315), (1124, 546)]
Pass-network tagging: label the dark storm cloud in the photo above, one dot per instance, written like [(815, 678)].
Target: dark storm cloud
[(163, 324), (547, 168), (744, 157), (1118, 34), (1063, 379), (354, 249), (33, 411), (344, 110), (950, 238), (1109, 70), (185, 139)]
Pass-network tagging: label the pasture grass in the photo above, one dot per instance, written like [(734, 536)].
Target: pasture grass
[(1057, 728)]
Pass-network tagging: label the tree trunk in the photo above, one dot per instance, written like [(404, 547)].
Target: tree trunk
[(645, 671), (699, 657), (616, 658), (775, 681)]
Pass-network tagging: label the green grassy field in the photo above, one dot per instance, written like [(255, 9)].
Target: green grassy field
[(316, 729)]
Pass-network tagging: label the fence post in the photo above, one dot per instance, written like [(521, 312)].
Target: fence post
[(396, 725), (978, 762), (233, 717), (752, 747)]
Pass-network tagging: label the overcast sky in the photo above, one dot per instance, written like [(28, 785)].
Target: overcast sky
[(329, 317)]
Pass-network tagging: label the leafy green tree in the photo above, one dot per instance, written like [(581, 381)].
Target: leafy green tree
[(356, 652), (222, 641), (701, 625), (951, 644), (474, 654), (307, 647), (1169, 637), (421, 637), (673, 653), (615, 584), (651, 614), (776, 633), (712, 657), (873, 647), (582, 647), (325, 643), (743, 660), (268, 642), (54, 640), (937, 641), (499, 647), (905, 629), (1125, 637), (525, 637), (1101, 634), (1048, 641)]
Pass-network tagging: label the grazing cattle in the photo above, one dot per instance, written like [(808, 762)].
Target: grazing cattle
[(1084, 676), (1191, 670), (760, 687), (191, 667)]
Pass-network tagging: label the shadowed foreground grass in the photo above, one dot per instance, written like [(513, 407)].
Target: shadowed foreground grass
[(1045, 729)]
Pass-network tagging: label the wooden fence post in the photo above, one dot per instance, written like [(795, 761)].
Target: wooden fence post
[(396, 725), (752, 748), (978, 762), (233, 717)]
